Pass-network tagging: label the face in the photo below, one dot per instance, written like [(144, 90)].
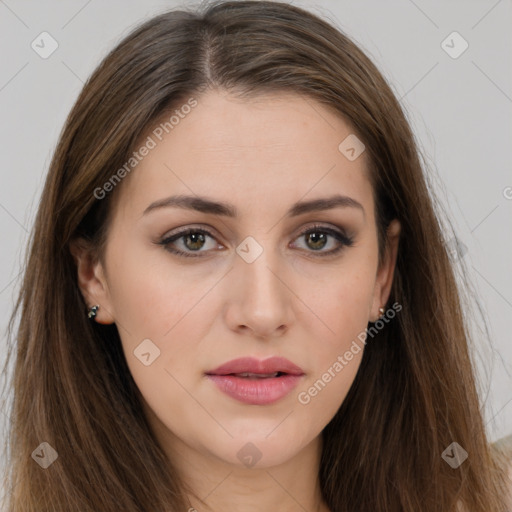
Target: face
[(192, 286)]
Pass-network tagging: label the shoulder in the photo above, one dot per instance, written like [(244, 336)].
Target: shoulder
[(504, 445)]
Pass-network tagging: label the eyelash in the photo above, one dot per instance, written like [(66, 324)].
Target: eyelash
[(342, 238)]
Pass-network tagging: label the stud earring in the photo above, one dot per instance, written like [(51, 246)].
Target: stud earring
[(93, 311), (381, 311)]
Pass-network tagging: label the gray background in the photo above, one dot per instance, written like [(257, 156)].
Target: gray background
[(460, 109)]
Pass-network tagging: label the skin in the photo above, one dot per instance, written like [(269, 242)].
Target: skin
[(262, 156)]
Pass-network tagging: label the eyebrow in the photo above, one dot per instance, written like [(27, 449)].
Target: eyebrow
[(206, 205)]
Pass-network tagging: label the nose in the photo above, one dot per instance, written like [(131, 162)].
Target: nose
[(259, 298)]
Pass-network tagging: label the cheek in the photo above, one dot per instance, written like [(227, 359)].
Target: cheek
[(167, 311), (150, 296), (173, 317), (343, 307), (343, 304)]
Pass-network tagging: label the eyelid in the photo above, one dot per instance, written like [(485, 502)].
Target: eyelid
[(189, 227), (323, 227)]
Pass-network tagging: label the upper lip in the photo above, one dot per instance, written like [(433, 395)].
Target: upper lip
[(253, 365)]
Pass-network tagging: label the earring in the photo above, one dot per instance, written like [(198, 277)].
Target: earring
[(381, 311), (92, 311)]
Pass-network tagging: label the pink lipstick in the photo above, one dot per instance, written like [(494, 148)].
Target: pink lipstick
[(256, 382)]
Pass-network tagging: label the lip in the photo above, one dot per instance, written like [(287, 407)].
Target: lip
[(253, 365), (258, 390)]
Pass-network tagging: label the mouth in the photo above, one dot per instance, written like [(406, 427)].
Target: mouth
[(255, 382)]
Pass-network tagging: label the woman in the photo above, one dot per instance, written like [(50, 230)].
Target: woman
[(238, 295)]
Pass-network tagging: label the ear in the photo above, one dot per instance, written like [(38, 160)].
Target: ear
[(385, 272), (91, 280)]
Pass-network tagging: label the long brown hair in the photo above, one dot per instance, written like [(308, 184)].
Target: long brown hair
[(415, 392)]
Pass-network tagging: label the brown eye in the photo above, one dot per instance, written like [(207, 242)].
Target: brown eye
[(196, 241), (318, 237), (316, 240), (192, 241)]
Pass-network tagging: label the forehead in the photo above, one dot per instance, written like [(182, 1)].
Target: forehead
[(266, 151)]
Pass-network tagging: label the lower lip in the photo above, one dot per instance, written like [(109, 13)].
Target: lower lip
[(256, 391)]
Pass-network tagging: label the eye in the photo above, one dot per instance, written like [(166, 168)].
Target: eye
[(192, 239), (317, 238)]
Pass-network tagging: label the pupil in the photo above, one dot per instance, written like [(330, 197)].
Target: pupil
[(319, 237)]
